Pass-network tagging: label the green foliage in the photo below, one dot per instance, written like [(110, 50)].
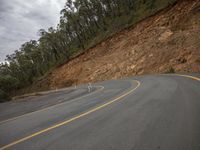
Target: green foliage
[(83, 23), (3, 96), (7, 84)]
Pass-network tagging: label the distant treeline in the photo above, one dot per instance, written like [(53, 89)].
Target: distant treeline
[(83, 23)]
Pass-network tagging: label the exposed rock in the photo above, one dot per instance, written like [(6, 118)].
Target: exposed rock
[(168, 41), (166, 35)]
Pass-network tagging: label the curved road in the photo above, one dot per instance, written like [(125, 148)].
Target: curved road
[(160, 112)]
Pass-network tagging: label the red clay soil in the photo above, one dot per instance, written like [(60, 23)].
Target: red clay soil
[(166, 42)]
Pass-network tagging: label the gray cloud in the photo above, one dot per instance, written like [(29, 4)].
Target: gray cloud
[(20, 21)]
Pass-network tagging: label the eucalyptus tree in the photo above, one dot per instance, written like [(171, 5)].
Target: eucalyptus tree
[(82, 23)]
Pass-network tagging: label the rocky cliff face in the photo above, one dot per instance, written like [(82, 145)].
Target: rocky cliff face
[(166, 42)]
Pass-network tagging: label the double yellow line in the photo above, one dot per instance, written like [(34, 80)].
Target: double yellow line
[(72, 119)]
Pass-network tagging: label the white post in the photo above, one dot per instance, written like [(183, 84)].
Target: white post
[(89, 87)]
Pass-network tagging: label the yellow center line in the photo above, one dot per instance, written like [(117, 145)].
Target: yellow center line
[(53, 106), (70, 120), (181, 75), (188, 76)]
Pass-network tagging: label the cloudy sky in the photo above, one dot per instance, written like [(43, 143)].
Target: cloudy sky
[(20, 21)]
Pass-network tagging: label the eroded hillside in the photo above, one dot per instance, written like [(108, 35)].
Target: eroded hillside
[(166, 42)]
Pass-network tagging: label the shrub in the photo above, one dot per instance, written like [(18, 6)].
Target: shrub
[(8, 83), (3, 96), (170, 70)]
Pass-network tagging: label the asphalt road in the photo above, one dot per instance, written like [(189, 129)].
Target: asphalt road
[(160, 112)]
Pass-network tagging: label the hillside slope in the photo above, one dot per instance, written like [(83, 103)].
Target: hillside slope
[(166, 42)]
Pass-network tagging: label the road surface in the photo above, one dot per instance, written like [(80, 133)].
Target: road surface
[(157, 112)]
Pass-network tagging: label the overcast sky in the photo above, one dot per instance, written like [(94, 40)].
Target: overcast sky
[(20, 21)]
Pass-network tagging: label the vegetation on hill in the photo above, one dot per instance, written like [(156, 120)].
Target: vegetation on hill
[(83, 23)]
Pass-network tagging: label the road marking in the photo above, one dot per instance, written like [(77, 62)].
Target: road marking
[(181, 75), (188, 76), (50, 107), (72, 119)]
